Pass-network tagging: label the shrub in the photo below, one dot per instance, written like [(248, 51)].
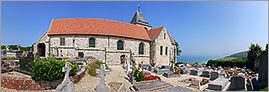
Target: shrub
[(93, 66), (49, 69), (81, 54), (139, 76), (74, 69)]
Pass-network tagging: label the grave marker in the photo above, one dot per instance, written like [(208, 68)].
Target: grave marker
[(194, 72), (237, 83), (214, 75), (102, 86), (67, 84), (205, 74)]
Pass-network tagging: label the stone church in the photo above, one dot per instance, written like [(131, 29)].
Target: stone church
[(108, 40)]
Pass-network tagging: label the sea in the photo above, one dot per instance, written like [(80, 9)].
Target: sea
[(193, 59)]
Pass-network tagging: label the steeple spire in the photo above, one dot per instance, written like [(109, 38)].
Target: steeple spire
[(138, 18)]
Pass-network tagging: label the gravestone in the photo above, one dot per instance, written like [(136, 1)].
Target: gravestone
[(7, 49), (102, 86), (127, 68), (255, 84), (184, 71), (195, 83), (161, 71), (170, 74), (205, 74), (132, 80), (214, 75), (218, 84), (67, 84), (249, 85), (237, 83), (194, 72), (146, 67), (153, 86)]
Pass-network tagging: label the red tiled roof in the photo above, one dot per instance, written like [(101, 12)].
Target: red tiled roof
[(97, 27), (155, 32)]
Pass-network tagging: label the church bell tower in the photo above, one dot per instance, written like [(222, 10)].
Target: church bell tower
[(138, 19)]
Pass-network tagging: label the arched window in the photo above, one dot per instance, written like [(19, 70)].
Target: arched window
[(120, 45), (141, 48), (91, 42), (161, 50), (166, 50)]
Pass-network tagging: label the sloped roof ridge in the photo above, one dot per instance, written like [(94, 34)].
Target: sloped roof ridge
[(99, 19)]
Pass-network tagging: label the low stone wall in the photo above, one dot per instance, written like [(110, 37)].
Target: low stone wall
[(19, 83)]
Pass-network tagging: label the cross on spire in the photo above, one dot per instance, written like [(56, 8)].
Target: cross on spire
[(139, 19), (138, 7)]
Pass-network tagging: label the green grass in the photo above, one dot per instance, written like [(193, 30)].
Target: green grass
[(93, 66)]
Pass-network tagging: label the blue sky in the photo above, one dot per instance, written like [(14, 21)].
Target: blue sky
[(201, 28)]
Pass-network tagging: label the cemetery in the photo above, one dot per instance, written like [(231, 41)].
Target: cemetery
[(26, 72)]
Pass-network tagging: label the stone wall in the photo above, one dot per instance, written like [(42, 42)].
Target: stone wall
[(162, 40), (105, 47), (43, 39)]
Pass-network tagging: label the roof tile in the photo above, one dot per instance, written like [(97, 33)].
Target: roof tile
[(97, 27)]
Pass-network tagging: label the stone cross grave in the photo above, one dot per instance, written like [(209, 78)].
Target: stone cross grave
[(7, 49), (67, 84), (102, 86), (128, 66), (249, 85)]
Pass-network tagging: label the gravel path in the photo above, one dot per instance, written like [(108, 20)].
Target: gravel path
[(88, 83)]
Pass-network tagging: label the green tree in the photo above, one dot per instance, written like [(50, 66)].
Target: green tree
[(3, 47), (13, 47), (253, 53), (178, 49)]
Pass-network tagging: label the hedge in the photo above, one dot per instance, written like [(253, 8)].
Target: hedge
[(239, 62), (49, 69)]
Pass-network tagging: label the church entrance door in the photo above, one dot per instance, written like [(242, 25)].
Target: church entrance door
[(122, 59), (41, 49)]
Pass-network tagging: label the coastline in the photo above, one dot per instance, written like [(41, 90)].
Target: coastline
[(193, 59)]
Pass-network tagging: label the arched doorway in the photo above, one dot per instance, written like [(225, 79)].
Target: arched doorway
[(41, 49), (122, 59)]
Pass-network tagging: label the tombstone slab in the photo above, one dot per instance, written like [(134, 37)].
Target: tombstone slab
[(205, 74), (237, 83), (218, 84), (214, 75), (194, 72)]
